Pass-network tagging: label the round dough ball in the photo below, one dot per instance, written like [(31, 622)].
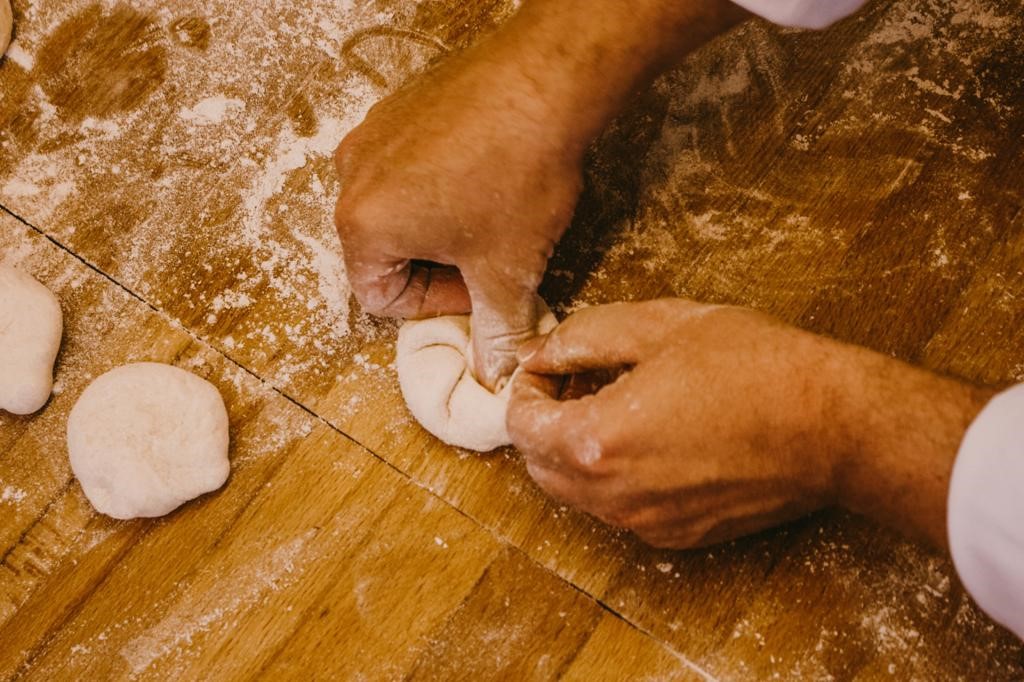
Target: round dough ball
[(30, 329), (146, 438), (6, 24), (440, 389)]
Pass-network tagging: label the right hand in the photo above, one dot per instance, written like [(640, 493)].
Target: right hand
[(725, 421), (454, 192), (721, 424)]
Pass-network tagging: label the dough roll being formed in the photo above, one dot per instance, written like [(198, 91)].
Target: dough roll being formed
[(440, 389)]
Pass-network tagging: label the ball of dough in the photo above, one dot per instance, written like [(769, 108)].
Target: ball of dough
[(30, 329), (6, 24), (440, 389), (146, 438)]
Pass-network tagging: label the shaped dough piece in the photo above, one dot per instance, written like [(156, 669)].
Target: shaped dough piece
[(6, 24), (440, 389), (30, 329), (145, 438)]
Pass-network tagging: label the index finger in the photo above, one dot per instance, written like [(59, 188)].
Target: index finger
[(505, 316), (407, 289)]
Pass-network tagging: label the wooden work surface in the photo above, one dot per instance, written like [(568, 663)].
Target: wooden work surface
[(165, 168)]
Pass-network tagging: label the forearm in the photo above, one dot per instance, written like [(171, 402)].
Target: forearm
[(902, 428), (584, 59)]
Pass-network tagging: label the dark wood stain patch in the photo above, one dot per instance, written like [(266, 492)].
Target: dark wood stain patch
[(99, 64)]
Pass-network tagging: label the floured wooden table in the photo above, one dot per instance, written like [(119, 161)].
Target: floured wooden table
[(165, 168)]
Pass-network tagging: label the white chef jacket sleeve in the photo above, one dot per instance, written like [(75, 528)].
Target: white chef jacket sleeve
[(802, 13), (985, 517)]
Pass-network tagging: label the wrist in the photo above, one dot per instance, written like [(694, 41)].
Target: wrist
[(900, 431), (582, 60)]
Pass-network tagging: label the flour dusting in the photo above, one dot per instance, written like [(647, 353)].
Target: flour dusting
[(226, 596), (211, 110)]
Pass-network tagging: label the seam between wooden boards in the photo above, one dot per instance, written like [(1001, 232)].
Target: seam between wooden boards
[(500, 539)]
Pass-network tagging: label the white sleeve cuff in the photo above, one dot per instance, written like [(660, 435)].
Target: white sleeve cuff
[(986, 510), (802, 13)]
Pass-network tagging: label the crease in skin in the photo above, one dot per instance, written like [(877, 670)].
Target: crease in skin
[(497, 338), (427, 289), (384, 283), (500, 356)]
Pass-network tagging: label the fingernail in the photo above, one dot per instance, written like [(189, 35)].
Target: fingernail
[(529, 349)]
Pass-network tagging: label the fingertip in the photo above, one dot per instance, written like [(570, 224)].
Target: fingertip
[(531, 387), (532, 412), (543, 354), (492, 369), (529, 349), (531, 397)]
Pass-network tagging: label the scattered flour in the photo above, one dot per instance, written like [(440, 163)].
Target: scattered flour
[(211, 110), (225, 594), (294, 250), (20, 57), (12, 495)]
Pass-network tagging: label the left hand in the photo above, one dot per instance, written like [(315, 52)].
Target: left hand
[(719, 426)]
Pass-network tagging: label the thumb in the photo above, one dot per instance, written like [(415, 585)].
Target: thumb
[(504, 317), (595, 338)]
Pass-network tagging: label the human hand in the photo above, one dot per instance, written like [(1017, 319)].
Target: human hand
[(714, 430), (727, 421), (456, 188), (455, 191)]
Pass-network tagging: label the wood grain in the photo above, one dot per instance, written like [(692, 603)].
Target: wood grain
[(173, 162)]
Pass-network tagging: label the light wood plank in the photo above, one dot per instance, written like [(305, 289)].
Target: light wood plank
[(857, 182)]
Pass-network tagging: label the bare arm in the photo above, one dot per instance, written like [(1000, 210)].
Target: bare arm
[(728, 421), (456, 188), (586, 58), (902, 430)]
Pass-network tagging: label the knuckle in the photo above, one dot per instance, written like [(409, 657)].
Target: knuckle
[(345, 151), (626, 512), (342, 152), (343, 219), (596, 453), (525, 427), (589, 456), (358, 211), (582, 315), (542, 476), (583, 322), (348, 213), (646, 522), (375, 290), (517, 421)]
